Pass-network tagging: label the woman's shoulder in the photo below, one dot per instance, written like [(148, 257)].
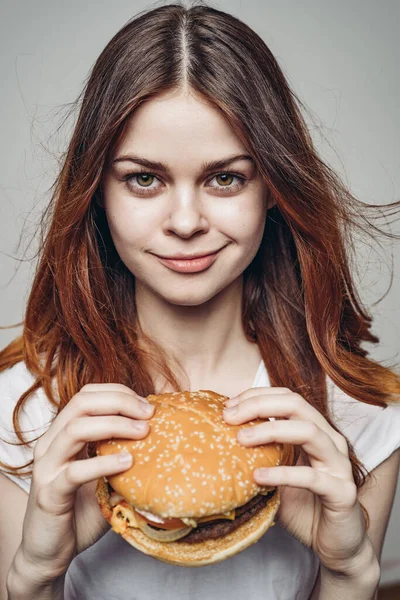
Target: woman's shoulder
[(16, 377), (348, 411), (36, 412), (374, 431)]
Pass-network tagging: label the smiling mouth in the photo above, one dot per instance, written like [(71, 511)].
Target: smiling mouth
[(189, 256), (190, 265)]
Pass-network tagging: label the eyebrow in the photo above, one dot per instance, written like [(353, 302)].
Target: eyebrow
[(206, 166)]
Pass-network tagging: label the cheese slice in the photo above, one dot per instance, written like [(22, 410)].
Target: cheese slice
[(228, 515)]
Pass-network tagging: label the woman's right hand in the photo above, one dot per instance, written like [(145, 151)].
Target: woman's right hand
[(63, 517)]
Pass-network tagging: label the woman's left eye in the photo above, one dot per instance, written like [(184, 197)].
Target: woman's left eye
[(240, 181), (147, 179)]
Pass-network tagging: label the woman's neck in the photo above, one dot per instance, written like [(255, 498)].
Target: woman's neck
[(208, 340)]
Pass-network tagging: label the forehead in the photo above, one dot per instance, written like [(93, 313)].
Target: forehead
[(179, 127)]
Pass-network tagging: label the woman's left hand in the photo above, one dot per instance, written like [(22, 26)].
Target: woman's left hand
[(319, 503)]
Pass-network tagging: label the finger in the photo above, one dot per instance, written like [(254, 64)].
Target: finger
[(234, 400), (335, 493), (110, 387), (103, 402), (317, 444), (289, 405), (62, 490), (263, 405), (78, 432)]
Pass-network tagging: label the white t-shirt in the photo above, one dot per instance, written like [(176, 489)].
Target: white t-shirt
[(277, 567)]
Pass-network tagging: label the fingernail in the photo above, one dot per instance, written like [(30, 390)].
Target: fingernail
[(125, 458), (232, 402), (230, 411), (143, 399), (147, 409), (246, 433), (139, 425), (262, 472)]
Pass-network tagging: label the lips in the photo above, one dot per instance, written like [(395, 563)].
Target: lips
[(189, 255), (190, 265)]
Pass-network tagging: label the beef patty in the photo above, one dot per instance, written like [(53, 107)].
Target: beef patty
[(220, 527)]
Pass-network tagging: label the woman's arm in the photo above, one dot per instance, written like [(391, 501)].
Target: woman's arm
[(13, 501), (21, 586), (377, 495), (18, 580), (362, 586), (54, 522)]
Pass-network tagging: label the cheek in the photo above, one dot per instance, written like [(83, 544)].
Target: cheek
[(128, 240), (122, 231), (247, 226), (130, 229), (252, 230), (251, 240)]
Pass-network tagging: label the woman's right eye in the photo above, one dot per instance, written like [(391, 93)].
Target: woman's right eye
[(146, 178)]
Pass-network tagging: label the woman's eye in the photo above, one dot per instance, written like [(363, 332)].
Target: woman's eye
[(226, 179), (142, 183)]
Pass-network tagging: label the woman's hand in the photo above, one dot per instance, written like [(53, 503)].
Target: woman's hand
[(319, 504), (63, 517)]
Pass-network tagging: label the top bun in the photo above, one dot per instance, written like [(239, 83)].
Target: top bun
[(190, 464)]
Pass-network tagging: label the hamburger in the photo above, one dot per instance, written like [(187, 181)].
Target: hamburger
[(189, 498)]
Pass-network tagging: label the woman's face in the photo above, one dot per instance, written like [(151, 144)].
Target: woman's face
[(182, 206)]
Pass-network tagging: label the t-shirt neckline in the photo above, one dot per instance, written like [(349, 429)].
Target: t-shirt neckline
[(261, 374)]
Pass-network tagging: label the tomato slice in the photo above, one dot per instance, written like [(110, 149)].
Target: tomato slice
[(169, 524)]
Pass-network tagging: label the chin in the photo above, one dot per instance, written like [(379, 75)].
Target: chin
[(188, 294), (190, 498)]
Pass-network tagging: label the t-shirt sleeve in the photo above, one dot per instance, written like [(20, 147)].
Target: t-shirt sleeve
[(34, 419), (373, 431)]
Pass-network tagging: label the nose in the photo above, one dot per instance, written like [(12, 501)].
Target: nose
[(186, 215)]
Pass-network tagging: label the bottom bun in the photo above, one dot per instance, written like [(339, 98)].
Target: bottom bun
[(202, 553)]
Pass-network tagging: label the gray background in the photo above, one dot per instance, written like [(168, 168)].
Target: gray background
[(340, 57)]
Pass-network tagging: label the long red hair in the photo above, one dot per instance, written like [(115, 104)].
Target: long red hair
[(300, 304)]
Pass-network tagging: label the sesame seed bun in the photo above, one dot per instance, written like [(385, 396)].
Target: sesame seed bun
[(191, 465)]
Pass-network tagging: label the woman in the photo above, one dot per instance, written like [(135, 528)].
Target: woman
[(189, 142)]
